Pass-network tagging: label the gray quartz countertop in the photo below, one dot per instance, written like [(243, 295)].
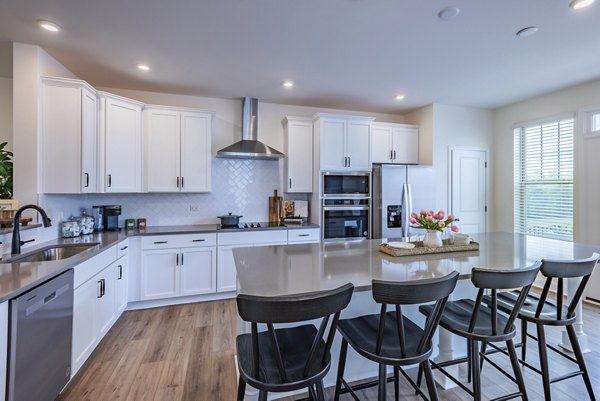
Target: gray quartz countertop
[(294, 269), (17, 277)]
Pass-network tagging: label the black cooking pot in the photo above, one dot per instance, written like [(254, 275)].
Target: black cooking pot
[(230, 220)]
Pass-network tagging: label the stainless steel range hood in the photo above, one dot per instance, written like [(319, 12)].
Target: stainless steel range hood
[(250, 147)]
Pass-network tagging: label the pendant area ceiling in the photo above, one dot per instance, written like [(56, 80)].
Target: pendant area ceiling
[(345, 54)]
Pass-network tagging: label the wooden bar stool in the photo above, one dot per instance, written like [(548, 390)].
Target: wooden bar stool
[(545, 310), (390, 338), (480, 322), (293, 358)]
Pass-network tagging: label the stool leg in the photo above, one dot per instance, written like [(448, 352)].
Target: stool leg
[(382, 382), (241, 390), (544, 361), (580, 360), (429, 379), (320, 391), (469, 358), (514, 361), (475, 372), (483, 349), (262, 396), (341, 367), (419, 377), (523, 340), (396, 383)]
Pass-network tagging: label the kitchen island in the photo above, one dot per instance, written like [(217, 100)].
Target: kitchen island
[(293, 269)]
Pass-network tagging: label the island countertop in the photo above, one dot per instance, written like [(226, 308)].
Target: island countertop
[(293, 269)]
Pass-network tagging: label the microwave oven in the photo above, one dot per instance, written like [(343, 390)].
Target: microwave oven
[(346, 185)]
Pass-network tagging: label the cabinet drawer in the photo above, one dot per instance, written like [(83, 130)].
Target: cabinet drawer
[(179, 241), (122, 248), (253, 237), (88, 269), (304, 235)]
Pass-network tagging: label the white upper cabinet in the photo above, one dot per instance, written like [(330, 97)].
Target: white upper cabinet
[(177, 149), (121, 134), (68, 136), (344, 142), (394, 143), (298, 154)]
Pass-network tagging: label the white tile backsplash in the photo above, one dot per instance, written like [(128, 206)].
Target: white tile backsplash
[(238, 186)]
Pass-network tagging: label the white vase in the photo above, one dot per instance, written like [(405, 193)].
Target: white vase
[(433, 239)]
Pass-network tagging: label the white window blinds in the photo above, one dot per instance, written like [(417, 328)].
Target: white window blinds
[(544, 179)]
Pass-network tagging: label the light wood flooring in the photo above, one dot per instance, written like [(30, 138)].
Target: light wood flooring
[(186, 353)]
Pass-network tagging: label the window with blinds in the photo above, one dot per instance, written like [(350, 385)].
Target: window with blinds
[(544, 179)]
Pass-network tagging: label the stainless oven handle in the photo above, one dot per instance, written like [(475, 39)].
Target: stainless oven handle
[(338, 208)]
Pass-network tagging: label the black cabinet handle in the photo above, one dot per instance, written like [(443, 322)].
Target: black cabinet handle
[(181, 182), (290, 183), (161, 242), (100, 289), (110, 180), (87, 180), (198, 240), (177, 262), (103, 287), (125, 247), (120, 272), (303, 235), (177, 182), (182, 259), (394, 155), (349, 159)]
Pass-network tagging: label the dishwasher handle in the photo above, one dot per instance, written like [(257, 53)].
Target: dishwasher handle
[(43, 301)]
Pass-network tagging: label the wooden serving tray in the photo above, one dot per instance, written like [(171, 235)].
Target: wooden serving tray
[(8, 223), (419, 249)]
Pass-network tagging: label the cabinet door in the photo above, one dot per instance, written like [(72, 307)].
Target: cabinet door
[(162, 157), (61, 139), (226, 273), (123, 153), (299, 157), (332, 147), (406, 145), (198, 271), (381, 144), (159, 274), (357, 145), (106, 303), (196, 152), (122, 281), (89, 110), (84, 322)]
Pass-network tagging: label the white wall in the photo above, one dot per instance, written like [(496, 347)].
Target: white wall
[(586, 188), (442, 126), (6, 110)]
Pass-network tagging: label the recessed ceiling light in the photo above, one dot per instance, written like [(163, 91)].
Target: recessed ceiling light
[(525, 32), (288, 84), (399, 97), (577, 4), (448, 13), (49, 26), (143, 67)]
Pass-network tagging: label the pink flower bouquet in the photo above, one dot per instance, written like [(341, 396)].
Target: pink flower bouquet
[(429, 220)]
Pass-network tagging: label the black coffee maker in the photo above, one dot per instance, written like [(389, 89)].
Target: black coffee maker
[(107, 217)]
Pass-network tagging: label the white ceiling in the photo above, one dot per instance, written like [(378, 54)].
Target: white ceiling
[(346, 54)]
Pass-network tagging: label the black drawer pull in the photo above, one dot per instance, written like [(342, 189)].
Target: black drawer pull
[(198, 240), (304, 235), (161, 242), (125, 247)]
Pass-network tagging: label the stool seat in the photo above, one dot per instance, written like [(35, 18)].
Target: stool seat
[(361, 334), (294, 343), (506, 302), (457, 318)]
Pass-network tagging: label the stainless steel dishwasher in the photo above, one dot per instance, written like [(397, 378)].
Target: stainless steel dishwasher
[(41, 332)]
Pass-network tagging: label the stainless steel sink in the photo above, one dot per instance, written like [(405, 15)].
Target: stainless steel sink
[(50, 253)]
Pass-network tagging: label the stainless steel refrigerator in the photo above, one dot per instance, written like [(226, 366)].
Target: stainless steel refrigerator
[(399, 190)]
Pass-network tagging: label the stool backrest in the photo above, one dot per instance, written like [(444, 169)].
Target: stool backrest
[(561, 269), (410, 293), (494, 280), (290, 309)]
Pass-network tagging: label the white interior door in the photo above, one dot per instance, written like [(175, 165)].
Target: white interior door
[(468, 183)]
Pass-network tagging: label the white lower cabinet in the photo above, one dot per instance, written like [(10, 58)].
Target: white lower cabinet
[(3, 348), (97, 304), (168, 273), (226, 273)]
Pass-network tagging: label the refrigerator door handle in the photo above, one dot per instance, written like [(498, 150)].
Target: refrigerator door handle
[(406, 209)]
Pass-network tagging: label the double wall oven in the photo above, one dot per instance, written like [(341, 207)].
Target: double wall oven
[(346, 206)]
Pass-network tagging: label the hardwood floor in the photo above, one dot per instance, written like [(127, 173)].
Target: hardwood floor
[(185, 352)]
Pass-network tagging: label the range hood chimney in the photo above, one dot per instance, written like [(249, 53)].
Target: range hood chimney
[(250, 147)]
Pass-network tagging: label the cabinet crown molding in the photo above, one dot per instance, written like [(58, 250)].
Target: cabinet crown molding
[(69, 82), (103, 94), (177, 108), (320, 115), (398, 125), (287, 119)]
